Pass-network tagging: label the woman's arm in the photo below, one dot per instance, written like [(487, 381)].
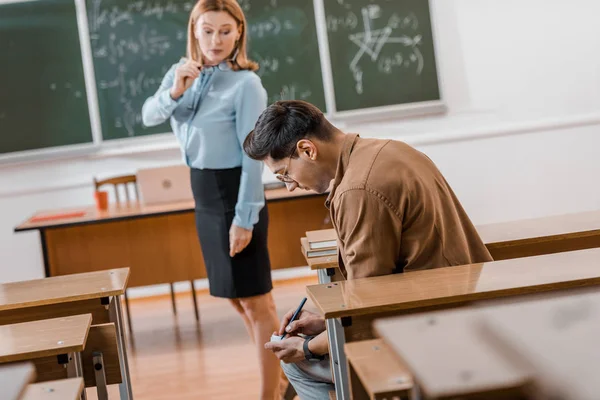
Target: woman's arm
[(159, 107), (250, 103)]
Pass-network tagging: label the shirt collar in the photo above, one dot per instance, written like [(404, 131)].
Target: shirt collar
[(342, 164)]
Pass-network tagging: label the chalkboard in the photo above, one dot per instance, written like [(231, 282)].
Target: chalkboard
[(283, 40), (382, 52), (43, 99), (135, 43)]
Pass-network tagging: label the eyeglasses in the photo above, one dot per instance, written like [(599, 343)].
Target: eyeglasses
[(285, 178)]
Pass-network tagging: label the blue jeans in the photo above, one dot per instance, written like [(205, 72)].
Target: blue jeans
[(311, 380)]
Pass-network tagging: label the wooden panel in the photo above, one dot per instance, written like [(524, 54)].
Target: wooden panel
[(449, 358), (558, 226), (57, 290), (288, 222), (458, 284), (99, 312), (48, 369), (102, 338), (161, 249), (65, 389), (545, 245), (380, 372), (14, 379), (30, 340)]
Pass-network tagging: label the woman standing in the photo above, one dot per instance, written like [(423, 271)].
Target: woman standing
[(213, 99)]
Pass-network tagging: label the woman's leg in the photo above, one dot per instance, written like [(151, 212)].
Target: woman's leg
[(238, 307), (262, 315)]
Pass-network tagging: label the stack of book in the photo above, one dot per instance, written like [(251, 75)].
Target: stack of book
[(320, 247)]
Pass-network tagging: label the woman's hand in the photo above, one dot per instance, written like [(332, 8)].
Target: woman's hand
[(185, 75), (238, 239)]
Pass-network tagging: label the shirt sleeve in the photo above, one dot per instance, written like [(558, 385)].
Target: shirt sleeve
[(251, 100), (369, 232), (159, 107)]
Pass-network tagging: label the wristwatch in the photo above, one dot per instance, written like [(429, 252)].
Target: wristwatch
[(309, 355)]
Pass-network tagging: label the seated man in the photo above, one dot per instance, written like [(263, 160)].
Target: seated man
[(392, 210)]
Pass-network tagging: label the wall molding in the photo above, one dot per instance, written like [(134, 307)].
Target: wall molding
[(418, 140)]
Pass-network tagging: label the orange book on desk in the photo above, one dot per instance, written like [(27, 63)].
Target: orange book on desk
[(52, 217)]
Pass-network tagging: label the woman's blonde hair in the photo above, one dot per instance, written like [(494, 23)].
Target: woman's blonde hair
[(238, 59)]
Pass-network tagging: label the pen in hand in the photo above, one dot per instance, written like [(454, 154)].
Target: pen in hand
[(296, 313)]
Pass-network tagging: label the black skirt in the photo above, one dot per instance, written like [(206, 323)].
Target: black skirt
[(248, 273)]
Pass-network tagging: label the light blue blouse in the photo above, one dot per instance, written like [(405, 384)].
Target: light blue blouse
[(211, 121)]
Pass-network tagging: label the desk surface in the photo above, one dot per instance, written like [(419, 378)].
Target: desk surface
[(62, 289), (448, 356), (535, 228), (49, 337), (552, 341), (14, 379), (557, 337), (63, 389), (137, 210), (451, 285)]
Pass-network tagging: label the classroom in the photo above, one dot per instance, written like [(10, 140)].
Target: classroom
[(299, 199)]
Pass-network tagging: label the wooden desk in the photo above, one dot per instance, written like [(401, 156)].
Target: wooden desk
[(557, 338), (63, 389), (14, 379), (537, 236), (514, 239), (350, 306), (159, 243), (49, 337), (46, 340), (449, 358), (97, 293), (548, 346)]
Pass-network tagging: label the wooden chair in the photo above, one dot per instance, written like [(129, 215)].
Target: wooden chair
[(125, 181)]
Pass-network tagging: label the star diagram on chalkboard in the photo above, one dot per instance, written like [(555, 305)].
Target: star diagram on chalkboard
[(371, 41)]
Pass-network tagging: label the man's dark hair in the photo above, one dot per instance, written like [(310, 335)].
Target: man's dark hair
[(282, 125)]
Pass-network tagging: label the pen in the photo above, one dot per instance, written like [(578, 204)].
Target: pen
[(295, 315)]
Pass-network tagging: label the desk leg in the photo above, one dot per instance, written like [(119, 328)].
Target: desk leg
[(323, 277), (335, 333), (75, 369), (44, 245), (116, 316)]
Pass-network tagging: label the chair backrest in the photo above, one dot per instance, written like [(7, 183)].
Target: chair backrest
[(124, 180)]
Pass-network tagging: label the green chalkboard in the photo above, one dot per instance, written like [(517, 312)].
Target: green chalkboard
[(283, 40), (135, 43), (43, 100), (382, 52)]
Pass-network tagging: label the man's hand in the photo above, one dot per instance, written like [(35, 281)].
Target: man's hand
[(307, 323), (289, 350)]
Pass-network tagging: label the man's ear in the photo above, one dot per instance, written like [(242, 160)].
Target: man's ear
[(307, 149)]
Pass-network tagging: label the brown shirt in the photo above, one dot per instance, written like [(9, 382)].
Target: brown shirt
[(393, 211)]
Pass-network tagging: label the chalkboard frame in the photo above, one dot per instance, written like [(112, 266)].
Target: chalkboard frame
[(405, 110), (99, 147)]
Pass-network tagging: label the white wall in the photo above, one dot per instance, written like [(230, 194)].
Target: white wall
[(521, 79)]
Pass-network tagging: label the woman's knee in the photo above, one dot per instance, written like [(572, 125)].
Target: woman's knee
[(237, 305), (258, 307)]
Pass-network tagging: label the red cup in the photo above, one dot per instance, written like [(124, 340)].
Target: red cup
[(101, 198)]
